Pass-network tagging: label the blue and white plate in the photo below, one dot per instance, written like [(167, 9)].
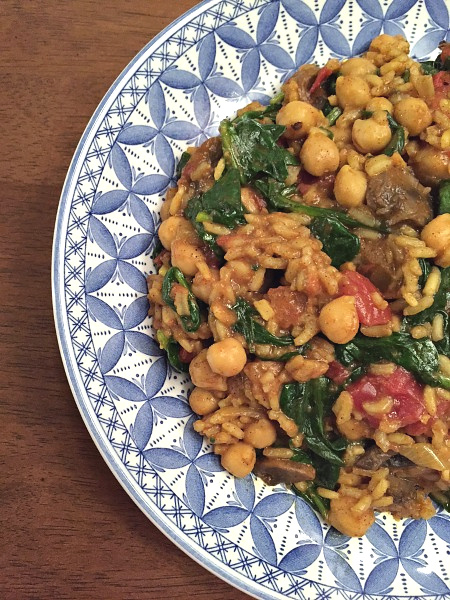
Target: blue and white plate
[(213, 60)]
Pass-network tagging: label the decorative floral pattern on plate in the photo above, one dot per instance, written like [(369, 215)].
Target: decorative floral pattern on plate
[(213, 60)]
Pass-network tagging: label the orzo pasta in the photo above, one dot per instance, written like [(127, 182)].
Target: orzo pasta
[(304, 282)]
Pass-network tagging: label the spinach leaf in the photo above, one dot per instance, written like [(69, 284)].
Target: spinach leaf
[(431, 67), (443, 499), (254, 332), (269, 112), (426, 269), (191, 212), (310, 495), (158, 248), (326, 474), (440, 306), (444, 196), (251, 147), (174, 275), (420, 357), (338, 242), (329, 84), (181, 164), (406, 75), (278, 197), (173, 351), (308, 404), (220, 204), (397, 142)]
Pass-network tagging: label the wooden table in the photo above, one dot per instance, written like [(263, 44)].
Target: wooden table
[(68, 529)]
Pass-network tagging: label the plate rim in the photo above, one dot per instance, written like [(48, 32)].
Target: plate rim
[(181, 541)]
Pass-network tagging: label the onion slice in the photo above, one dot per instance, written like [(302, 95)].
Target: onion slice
[(423, 455)]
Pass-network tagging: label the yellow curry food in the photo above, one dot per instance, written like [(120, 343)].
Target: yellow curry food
[(304, 282)]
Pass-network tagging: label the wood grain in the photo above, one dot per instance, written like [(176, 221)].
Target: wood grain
[(68, 530)]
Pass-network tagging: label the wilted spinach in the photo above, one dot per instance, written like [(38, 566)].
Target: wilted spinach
[(157, 249), (426, 269), (172, 348), (268, 112), (329, 226), (308, 404), (251, 147), (431, 67), (310, 495), (420, 357), (397, 143), (174, 275), (444, 196), (278, 197), (443, 499), (338, 242), (220, 204), (181, 164), (254, 332)]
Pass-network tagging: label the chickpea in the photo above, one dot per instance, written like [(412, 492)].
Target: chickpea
[(414, 114), (358, 67), (203, 402), (319, 155), (370, 136), (430, 165), (172, 228), (203, 376), (298, 117), (239, 459), (436, 235), (380, 103), (338, 320), (185, 255), (260, 434), (226, 357), (350, 187), (352, 92)]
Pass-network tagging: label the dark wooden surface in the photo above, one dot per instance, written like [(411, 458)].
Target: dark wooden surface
[(67, 528)]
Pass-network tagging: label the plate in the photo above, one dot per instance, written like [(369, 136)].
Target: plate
[(214, 59)]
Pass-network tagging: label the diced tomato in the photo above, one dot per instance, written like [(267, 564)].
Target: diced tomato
[(441, 82), (323, 74), (337, 372), (407, 394), (442, 412), (287, 305), (355, 284)]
